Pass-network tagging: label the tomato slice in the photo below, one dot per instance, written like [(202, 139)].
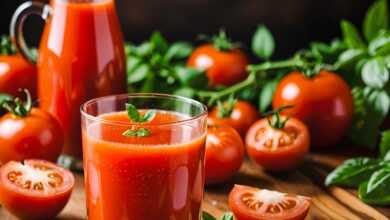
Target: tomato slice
[(35, 189), (249, 203)]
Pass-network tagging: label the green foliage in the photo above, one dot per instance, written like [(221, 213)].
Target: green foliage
[(263, 44), (371, 176)]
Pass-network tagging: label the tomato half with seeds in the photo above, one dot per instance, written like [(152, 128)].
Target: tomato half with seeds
[(249, 203), (241, 117), (224, 153), (35, 189), (278, 149)]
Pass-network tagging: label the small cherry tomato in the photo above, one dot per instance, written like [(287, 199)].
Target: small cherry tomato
[(27, 132), (241, 116), (278, 149), (35, 189), (224, 153), (324, 103), (17, 73), (224, 63), (249, 203)]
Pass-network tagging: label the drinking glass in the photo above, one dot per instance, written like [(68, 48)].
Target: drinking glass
[(157, 175)]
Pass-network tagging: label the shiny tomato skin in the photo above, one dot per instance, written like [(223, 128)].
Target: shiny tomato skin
[(242, 117), (242, 211), (279, 158), (324, 103), (224, 154), (29, 204), (222, 67), (37, 136), (16, 73)]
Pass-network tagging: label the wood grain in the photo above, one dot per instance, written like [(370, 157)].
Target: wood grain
[(327, 203)]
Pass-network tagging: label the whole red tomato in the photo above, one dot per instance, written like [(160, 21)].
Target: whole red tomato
[(241, 116), (280, 147), (323, 102), (223, 62), (35, 189), (16, 73), (29, 133), (224, 153)]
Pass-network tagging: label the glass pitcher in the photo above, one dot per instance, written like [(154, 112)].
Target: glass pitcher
[(81, 56)]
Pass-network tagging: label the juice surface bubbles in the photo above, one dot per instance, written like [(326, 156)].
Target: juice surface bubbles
[(160, 176)]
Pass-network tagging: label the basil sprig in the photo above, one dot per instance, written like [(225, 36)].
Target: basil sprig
[(157, 66), (225, 216), (135, 116), (371, 176)]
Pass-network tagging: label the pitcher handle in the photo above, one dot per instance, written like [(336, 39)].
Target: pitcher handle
[(16, 28)]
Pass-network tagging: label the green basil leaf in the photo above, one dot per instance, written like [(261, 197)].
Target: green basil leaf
[(207, 216), (349, 58), (149, 84), (376, 190), (371, 107), (145, 49), (353, 172), (351, 35), (185, 91), (263, 43), (380, 45), (191, 77), (384, 145), (159, 43), (248, 94), (148, 116), (379, 102), (138, 73), (132, 112), (179, 50), (227, 216), (376, 19), (141, 132), (375, 73), (266, 95), (4, 97)]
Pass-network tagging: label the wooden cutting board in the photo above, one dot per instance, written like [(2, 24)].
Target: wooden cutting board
[(327, 203)]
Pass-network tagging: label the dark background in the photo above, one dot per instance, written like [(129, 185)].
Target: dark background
[(294, 23)]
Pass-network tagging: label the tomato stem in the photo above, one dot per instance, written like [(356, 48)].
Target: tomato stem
[(6, 46), (17, 107), (275, 120), (226, 109), (221, 41), (217, 95)]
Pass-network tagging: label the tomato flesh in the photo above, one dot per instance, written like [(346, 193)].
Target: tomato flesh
[(277, 149), (34, 189), (249, 203)]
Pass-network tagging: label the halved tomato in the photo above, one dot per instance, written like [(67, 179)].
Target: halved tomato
[(278, 149), (35, 189), (249, 203)]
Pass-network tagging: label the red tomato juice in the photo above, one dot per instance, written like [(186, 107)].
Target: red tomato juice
[(81, 57), (159, 177)]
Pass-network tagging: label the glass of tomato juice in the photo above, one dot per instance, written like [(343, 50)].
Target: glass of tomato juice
[(147, 169)]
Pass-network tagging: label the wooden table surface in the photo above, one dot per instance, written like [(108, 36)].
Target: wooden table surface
[(327, 203)]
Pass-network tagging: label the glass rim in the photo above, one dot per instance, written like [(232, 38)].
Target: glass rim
[(190, 101)]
